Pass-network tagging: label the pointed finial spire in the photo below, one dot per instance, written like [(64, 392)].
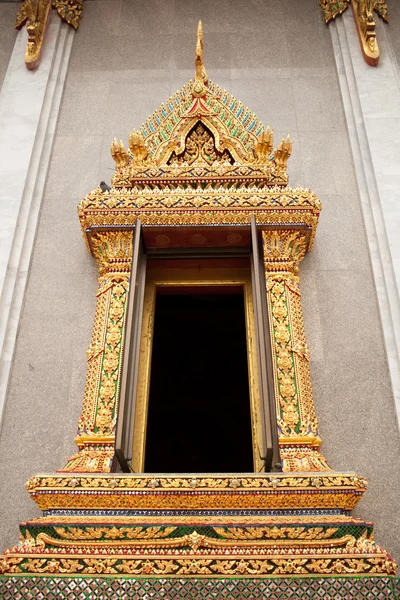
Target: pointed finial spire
[(200, 79)]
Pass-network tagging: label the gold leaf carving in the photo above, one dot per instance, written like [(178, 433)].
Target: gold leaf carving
[(70, 11), (35, 15), (96, 566), (200, 148), (113, 533), (332, 8), (276, 533), (366, 25), (380, 7)]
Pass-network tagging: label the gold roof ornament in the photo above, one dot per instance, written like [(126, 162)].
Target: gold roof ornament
[(137, 147), (35, 15), (200, 79), (201, 132), (264, 145), (119, 154), (366, 25), (282, 154)]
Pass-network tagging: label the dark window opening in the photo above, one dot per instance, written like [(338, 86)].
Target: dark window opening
[(199, 408)]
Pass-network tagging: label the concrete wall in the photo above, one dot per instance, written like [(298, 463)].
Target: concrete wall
[(8, 12), (393, 28), (276, 56)]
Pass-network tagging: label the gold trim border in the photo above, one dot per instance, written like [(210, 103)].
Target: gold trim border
[(248, 492), (187, 278)]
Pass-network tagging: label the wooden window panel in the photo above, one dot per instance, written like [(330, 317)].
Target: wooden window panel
[(133, 326), (267, 401)]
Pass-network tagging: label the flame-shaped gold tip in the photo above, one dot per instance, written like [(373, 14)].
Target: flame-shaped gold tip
[(201, 74)]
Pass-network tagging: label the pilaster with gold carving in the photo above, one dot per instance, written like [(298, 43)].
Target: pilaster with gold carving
[(299, 440), (96, 426)]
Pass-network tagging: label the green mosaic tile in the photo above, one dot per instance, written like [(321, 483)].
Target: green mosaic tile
[(356, 530), (80, 588)]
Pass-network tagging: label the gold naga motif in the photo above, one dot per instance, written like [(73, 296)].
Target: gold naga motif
[(35, 14), (363, 12)]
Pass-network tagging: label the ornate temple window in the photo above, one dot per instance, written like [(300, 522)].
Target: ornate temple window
[(200, 180), (199, 209)]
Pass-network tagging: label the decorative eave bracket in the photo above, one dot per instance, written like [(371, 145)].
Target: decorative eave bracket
[(35, 15), (364, 19)]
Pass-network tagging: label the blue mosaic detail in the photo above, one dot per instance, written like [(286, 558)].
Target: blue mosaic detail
[(194, 513)]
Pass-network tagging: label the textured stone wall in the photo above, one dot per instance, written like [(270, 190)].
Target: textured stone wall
[(393, 28), (276, 56), (8, 34)]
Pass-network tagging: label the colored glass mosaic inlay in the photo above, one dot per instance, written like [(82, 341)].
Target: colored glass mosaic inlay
[(337, 588)]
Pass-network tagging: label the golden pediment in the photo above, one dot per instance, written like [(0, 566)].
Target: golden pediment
[(202, 130), (200, 159), (230, 121)]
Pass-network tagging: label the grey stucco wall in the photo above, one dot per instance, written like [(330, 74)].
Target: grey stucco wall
[(393, 28), (8, 12), (276, 56)]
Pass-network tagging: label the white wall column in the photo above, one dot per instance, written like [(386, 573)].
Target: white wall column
[(371, 99), (29, 105)]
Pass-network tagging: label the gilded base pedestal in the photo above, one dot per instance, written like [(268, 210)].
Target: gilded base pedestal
[(237, 536)]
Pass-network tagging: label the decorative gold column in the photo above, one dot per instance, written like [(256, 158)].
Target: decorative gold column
[(299, 440), (96, 427)]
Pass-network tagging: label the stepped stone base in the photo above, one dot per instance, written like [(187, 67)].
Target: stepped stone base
[(197, 536)]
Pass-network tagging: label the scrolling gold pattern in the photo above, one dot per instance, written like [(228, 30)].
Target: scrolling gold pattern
[(200, 147)]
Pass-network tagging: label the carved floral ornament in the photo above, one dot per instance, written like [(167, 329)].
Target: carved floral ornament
[(363, 12), (35, 14)]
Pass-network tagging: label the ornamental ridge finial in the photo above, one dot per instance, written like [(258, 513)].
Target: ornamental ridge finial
[(200, 78)]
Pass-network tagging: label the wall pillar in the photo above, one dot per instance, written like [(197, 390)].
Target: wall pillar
[(371, 102), (299, 440), (29, 106), (96, 426)]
